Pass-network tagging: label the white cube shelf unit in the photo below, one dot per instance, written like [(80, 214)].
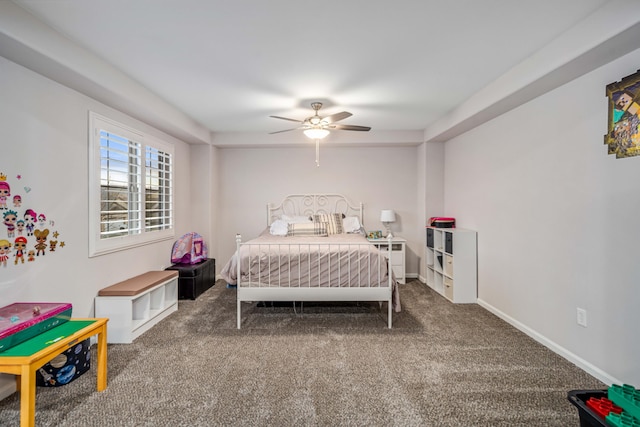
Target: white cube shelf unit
[(452, 263), (137, 304)]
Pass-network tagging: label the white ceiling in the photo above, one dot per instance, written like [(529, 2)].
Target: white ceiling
[(396, 65)]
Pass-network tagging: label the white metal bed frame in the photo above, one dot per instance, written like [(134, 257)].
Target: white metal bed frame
[(309, 204)]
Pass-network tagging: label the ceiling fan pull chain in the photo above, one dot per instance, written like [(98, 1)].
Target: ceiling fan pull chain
[(317, 153)]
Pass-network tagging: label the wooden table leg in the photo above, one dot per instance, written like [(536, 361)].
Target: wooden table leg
[(25, 367), (27, 397), (102, 358)]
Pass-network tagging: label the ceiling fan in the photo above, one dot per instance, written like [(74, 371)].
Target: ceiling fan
[(318, 127)]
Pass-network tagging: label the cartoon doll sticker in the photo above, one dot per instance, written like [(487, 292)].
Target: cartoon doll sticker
[(5, 192), (20, 226), (20, 244), (20, 223), (41, 238), (5, 249), (10, 218), (30, 221)]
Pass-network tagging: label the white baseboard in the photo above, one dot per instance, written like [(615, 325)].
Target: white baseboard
[(416, 276), (7, 385), (559, 350)]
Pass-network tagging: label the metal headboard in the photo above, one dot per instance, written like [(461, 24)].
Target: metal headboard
[(309, 204)]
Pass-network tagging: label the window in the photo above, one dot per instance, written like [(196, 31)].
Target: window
[(131, 187)]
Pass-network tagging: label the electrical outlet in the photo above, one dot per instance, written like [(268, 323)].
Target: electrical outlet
[(581, 317)]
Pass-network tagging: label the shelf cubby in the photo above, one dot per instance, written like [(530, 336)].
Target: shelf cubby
[(452, 274), (132, 315)]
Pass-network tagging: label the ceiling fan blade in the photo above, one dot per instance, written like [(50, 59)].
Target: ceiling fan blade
[(285, 118), (337, 117), (350, 127), (286, 130)]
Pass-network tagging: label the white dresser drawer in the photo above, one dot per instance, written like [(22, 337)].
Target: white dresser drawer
[(398, 271), (397, 255), (397, 258)]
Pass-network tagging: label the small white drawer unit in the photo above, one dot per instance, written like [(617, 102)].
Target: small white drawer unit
[(398, 255)]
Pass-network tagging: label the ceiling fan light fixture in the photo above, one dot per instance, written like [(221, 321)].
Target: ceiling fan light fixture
[(316, 133), (317, 127)]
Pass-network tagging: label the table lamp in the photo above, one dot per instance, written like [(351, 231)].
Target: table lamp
[(388, 216)]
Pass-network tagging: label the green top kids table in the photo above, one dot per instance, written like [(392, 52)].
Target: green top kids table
[(26, 358)]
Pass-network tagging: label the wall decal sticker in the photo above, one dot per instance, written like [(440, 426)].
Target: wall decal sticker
[(20, 245), (5, 191), (41, 238), (26, 232), (9, 219), (30, 221), (5, 249)]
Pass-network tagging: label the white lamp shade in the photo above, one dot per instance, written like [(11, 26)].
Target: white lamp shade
[(316, 133), (387, 215)]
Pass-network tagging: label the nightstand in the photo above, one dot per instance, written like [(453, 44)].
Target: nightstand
[(398, 249)]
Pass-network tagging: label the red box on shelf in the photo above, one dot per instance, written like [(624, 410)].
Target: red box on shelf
[(442, 222)]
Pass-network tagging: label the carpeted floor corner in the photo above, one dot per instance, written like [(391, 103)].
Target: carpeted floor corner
[(323, 364)]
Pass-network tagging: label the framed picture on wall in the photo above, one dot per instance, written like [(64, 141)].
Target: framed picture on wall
[(623, 130)]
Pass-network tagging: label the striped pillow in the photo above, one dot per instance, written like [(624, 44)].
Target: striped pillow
[(334, 222), (317, 229)]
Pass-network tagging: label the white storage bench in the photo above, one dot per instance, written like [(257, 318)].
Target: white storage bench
[(135, 305)]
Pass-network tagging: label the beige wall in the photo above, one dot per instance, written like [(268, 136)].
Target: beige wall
[(557, 222), (379, 177), (43, 129)]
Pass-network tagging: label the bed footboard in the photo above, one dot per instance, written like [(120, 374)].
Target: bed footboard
[(312, 271)]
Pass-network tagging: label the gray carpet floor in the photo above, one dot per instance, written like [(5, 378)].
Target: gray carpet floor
[(334, 364)]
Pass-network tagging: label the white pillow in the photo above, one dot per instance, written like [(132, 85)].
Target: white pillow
[(278, 228), (295, 219), (351, 224)]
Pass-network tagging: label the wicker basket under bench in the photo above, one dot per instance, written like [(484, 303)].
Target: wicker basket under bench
[(135, 305)]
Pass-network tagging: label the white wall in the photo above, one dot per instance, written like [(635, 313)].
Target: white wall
[(379, 177), (430, 195), (557, 222), (44, 137), (434, 187), (204, 179)]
